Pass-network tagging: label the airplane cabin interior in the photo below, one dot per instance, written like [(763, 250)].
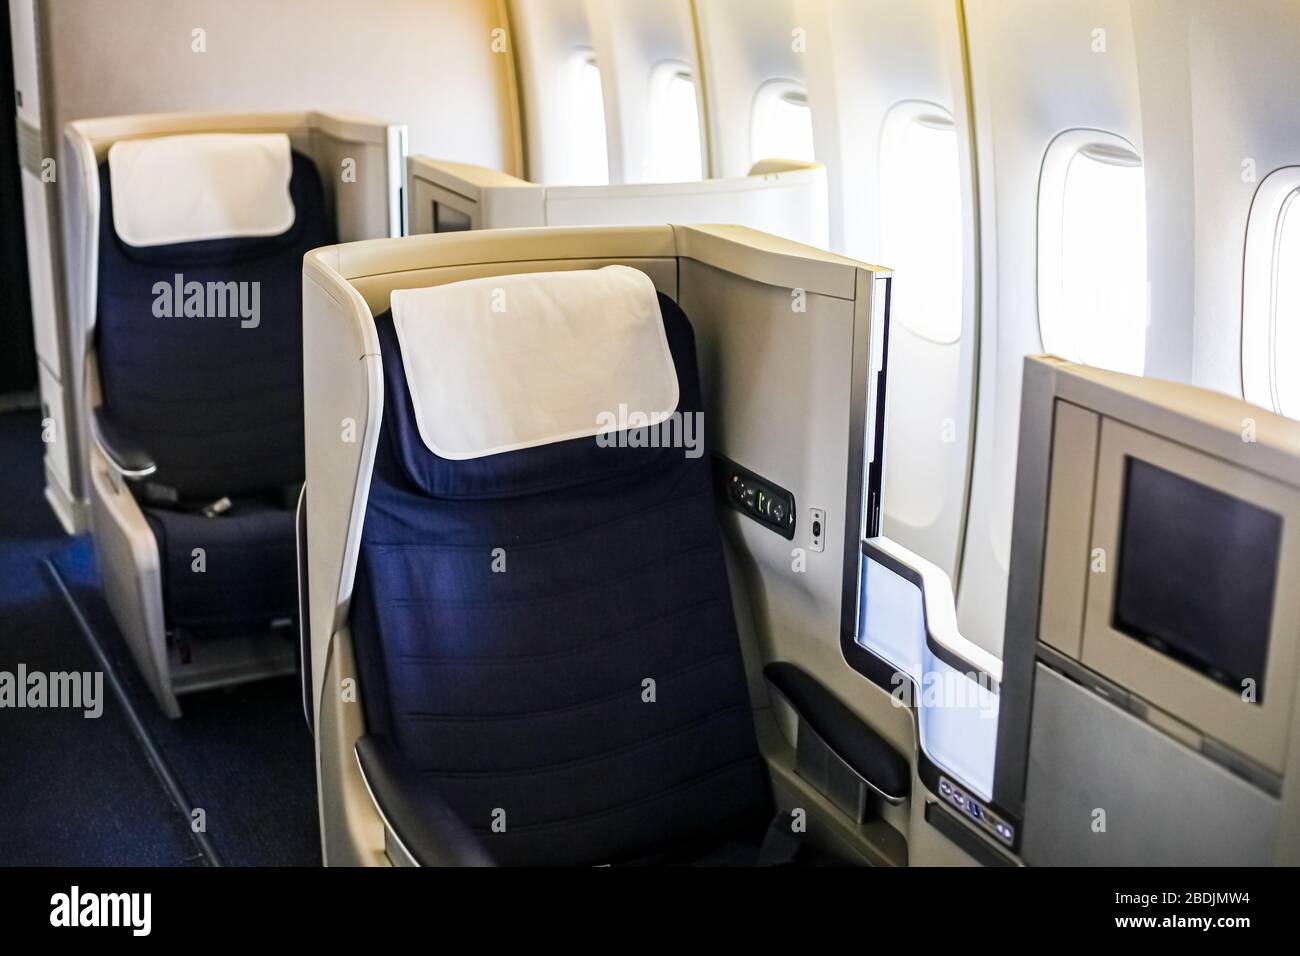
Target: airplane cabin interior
[(743, 433)]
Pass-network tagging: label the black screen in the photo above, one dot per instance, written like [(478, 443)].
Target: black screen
[(1197, 574)]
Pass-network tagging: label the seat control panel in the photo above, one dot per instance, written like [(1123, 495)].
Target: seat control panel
[(976, 811), (756, 497)]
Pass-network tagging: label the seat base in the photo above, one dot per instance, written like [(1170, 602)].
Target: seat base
[(209, 662), (232, 574)]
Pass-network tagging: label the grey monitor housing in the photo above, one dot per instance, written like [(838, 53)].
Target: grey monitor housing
[(1132, 731)]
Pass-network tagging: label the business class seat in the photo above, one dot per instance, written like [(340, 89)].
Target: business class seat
[(195, 384), (519, 687), (211, 407), (525, 644)]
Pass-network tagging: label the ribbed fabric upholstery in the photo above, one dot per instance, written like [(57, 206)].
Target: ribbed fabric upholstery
[(523, 690), (217, 405), (249, 566)]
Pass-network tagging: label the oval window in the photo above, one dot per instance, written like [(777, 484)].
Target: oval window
[(1092, 251), (782, 123), (1270, 320), (675, 152)]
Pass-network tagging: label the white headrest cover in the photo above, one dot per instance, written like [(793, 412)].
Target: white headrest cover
[(509, 362), (203, 186)]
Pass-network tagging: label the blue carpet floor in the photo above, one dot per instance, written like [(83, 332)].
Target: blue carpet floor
[(243, 754), (76, 791), (73, 791)]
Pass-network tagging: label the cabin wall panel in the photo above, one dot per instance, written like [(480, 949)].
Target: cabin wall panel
[(1036, 70), (743, 44), (1160, 32), (426, 63), (632, 37), (547, 34), (1219, 81), (866, 58)]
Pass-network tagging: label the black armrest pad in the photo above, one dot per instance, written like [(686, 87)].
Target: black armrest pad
[(869, 754), (431, 833), (122, 446)]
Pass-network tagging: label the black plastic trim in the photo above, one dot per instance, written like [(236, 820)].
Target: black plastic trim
[(876, 471), (723, 470), (122, 446), (869, 755), (428, 830), (930, 772), (864, 508)]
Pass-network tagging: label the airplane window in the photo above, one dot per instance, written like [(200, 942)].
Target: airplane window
[(675, 154), (590, 157), (1270, 295), (921, 219), (783, 126), (1286, 309), (1092, 252)]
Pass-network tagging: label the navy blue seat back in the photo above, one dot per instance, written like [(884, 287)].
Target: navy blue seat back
[(547, 636), (217, 405)]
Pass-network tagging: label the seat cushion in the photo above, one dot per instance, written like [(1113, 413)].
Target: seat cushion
[(547, 636), (216, 398), (249, 576)]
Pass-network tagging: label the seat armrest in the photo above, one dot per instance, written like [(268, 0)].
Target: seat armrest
[(868, 754), (428, 830), (123, 448)]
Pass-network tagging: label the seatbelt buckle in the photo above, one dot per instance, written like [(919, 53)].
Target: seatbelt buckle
[(218, 507)]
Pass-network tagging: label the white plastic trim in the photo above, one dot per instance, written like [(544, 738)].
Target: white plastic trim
[(1259, 371)]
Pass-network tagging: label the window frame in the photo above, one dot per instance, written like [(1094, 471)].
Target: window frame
[(789, 91), (898, 118), (662, 75), (1098, 145), (1275, 199), (580, 59)]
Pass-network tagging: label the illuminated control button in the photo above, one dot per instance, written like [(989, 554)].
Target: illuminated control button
[(1004, 831), (959, 798), (945, 788), (975, 810)]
